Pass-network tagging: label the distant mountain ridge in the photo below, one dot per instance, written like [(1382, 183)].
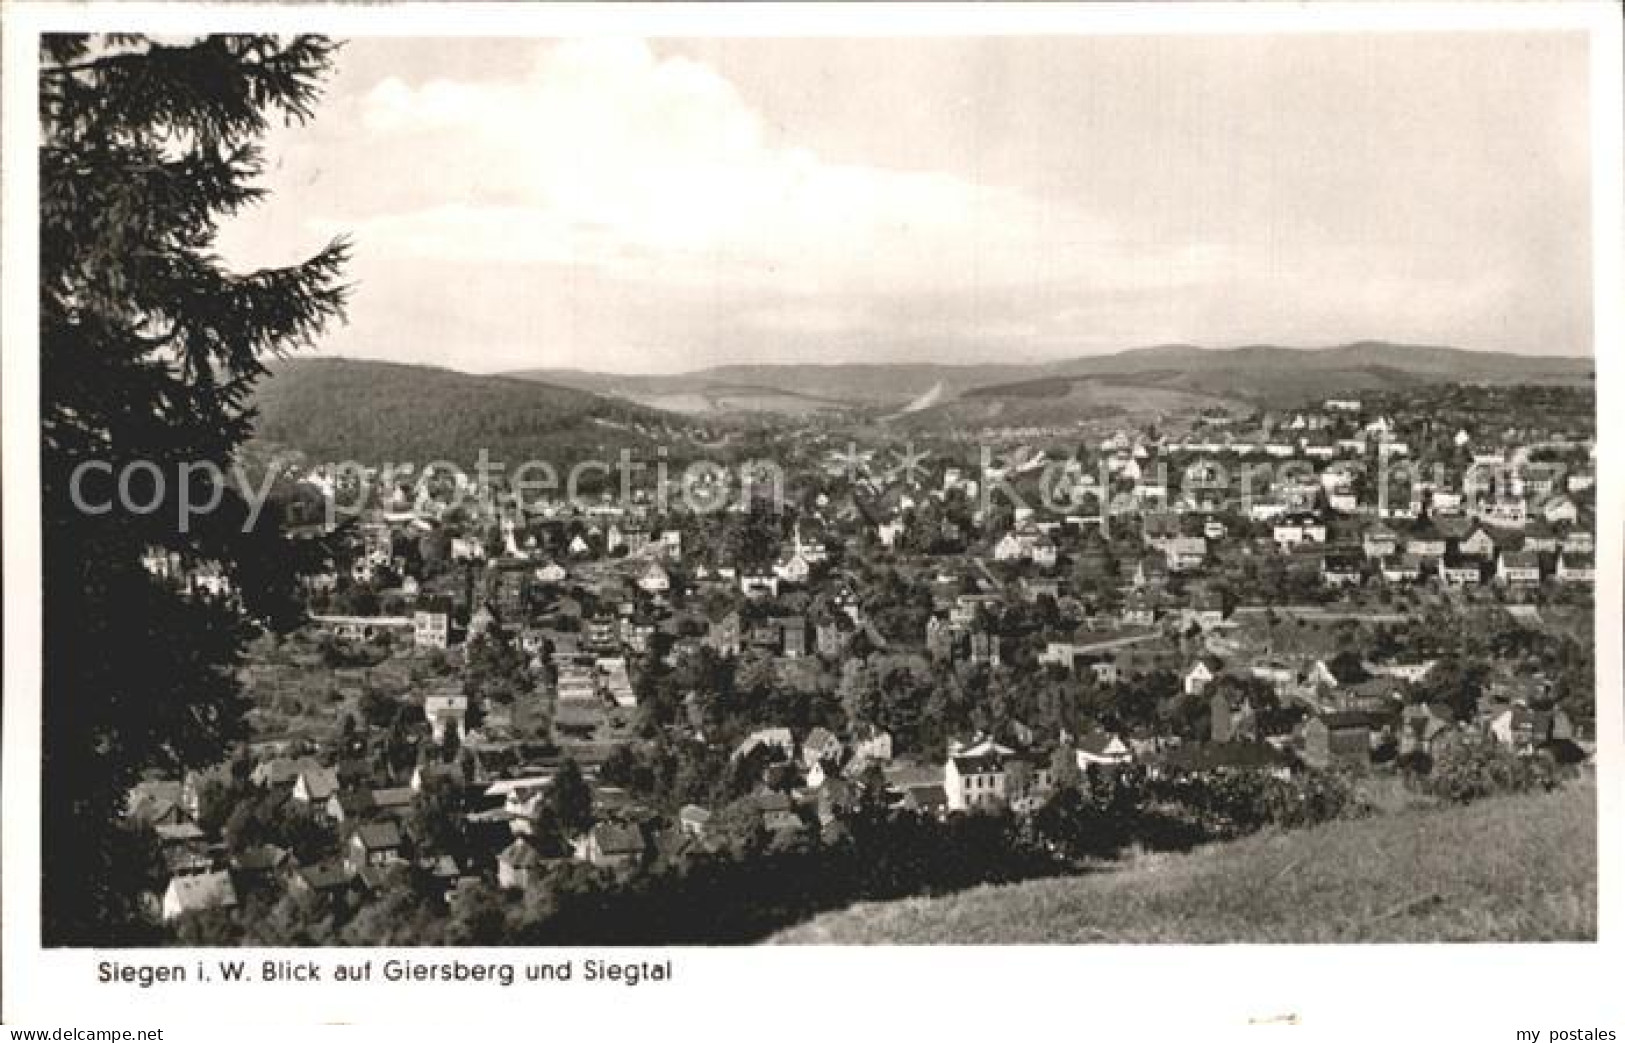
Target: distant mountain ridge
[(1266, 374), (350, 409), (838, 384)]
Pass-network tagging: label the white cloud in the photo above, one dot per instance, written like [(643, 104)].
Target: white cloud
[(656, 169)]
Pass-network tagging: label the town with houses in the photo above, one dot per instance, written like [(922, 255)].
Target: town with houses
[(492, 696)]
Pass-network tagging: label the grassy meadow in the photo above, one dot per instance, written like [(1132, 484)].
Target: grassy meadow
[(1509, 869)]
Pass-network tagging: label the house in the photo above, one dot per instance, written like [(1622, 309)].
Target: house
[(776, 813), (259, 865), (796, 566), (1099, 748), (820, 745), (1523, 729), (1576, 568), (829, 638), (393, 802), (1138, 610), (280, 772), (520, 864), (1337, 740), (1518, 567), (184, 848), (157, 803), (1461, 572), (197, 892), (1445, 503), (974, 780), (1426, 546), (1339, 571), (1478, 545), (1290, 532), (349, 806), (655, 579), (1379, 542), (1185, 552), (1578, 542), (1026, 783), (431, 626), (1421, 727), (446, 712), (984, 648), (1506, 512), (612, 845), (1402, 568), (315, 786), (323, 878), (1150, 571), (1541, 538), (429, 773), (925, 798), (1202, 673), (793, 636), (373, 844)]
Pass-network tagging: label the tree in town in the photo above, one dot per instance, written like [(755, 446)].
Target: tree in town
[(149, 349), (571, 798), (495, 669)]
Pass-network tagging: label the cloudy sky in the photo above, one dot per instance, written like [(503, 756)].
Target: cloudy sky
[(655, 206)]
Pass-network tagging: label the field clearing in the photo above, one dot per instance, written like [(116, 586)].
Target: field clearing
[(725, 400), (1064, 401), (1510, 869)]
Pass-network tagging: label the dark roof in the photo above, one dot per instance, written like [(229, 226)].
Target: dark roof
[(325, 876), (614, 838), (1210, 756), (377, 836), (395, 797), (354, 802), (1340, 719), (259, 859), (927, 795), (983, 764)]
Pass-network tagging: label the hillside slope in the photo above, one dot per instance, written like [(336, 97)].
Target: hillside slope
[(1058, 401), (835, 385), (338, 409), (1513, 869)]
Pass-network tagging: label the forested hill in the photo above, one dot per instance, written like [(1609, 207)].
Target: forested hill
[(372, 412)]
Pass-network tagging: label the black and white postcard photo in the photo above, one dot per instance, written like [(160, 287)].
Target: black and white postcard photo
[(649, 511)]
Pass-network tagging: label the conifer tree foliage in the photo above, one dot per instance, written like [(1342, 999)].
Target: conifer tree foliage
[(149, 349)]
